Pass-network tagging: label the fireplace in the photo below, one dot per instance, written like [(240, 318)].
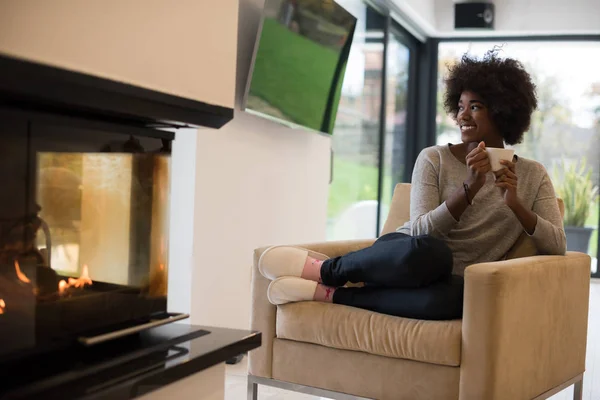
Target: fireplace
[(84, 207), (83, 229)]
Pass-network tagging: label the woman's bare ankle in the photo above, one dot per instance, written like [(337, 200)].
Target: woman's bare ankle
[(324, 293), (312, 269)]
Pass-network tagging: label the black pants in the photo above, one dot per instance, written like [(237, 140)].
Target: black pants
[(406, 276)]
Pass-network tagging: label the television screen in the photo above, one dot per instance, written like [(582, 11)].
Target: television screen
[(299, 62)]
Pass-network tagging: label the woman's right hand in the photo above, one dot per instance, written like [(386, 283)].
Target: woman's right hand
[(478, 165)]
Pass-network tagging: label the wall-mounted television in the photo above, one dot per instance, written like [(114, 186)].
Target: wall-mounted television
[(299, 61)]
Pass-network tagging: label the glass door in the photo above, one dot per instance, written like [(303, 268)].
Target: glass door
[(400, 68), (352, 207)]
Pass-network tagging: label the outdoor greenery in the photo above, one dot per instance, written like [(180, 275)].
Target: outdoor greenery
[(541, 142), (296, 81), (573, 183), (352, 182)]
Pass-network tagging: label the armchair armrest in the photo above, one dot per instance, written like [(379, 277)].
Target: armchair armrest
[(524, 326), (263, 313)]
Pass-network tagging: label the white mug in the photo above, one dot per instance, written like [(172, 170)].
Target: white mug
[(496, 154)]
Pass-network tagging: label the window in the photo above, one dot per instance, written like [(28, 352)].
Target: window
[(565, 130)]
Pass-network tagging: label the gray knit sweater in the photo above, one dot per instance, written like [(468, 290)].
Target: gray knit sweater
[(488, 229)]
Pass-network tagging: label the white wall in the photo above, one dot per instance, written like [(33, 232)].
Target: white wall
[(521, 17), (186, 48), (256, 183)]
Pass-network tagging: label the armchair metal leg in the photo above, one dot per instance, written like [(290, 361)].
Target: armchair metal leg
[(578, 390), (252, 390)]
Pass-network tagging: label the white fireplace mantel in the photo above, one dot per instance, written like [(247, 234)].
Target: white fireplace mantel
[(185, 48)]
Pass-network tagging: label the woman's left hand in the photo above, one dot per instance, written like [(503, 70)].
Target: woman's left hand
[(506, 178)]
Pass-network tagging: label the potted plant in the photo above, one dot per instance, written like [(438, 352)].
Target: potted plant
[(575, 187)]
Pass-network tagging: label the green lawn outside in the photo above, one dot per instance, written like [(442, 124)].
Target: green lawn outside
[(304, 98), (352, 182)]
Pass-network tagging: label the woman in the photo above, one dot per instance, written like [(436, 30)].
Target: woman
[(461, 212)]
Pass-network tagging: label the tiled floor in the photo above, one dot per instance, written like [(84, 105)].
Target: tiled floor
[(236, 382)]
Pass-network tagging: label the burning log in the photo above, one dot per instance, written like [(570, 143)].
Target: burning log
[(83, 280), (65, 288), (41, 282)]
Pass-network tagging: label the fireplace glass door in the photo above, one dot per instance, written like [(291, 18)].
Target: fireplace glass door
[(83, 229)]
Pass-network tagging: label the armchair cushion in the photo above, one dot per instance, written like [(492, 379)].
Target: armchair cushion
[(348, 328)]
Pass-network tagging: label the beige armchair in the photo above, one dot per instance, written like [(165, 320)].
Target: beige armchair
[(522, 336)]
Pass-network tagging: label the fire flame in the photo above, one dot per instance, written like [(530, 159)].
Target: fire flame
[(22, 277), (2, 306), (62, 286), (83, 280)]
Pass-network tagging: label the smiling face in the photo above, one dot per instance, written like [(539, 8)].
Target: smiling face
[(475, 122)]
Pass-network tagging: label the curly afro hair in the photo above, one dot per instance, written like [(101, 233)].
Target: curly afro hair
[(504, 85)]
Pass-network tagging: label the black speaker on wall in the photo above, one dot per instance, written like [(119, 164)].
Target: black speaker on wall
[(474, 15)]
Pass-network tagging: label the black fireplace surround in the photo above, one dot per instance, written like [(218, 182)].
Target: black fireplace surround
[(84, 194)]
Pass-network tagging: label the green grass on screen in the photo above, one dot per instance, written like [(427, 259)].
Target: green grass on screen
[(293, 74)]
